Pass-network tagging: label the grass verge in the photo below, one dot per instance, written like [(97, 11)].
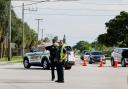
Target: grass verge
[(14, 59)]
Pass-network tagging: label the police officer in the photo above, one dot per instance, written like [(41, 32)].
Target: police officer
[(62, 54), (53, 56)]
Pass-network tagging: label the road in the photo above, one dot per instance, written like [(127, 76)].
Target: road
[(14, 76)]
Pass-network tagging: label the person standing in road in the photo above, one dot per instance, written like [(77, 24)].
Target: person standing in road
[(62, 54), (53, 57)]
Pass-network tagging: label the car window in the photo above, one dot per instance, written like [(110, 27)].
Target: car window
[(96, 53), (116, 50), (36, 50), (68, 48), (87, 53), (120, 51), (124, 49)]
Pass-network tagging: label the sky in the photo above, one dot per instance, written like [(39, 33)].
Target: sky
[(78, 20)]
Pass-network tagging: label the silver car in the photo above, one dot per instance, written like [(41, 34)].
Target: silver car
[(85, 54), (122, 56), (40, 58), (37, 58), (70, 61), (95, 57)]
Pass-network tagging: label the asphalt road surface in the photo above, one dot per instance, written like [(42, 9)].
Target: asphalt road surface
[(14, 76)]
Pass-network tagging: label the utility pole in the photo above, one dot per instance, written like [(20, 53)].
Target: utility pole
[(9, 34), (38, 20), (23, 29), (42, 33), (23, 36)]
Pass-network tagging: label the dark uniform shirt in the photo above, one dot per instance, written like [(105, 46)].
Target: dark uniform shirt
[(53, 52)]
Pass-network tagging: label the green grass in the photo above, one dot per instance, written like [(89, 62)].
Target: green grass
[(14, 59)]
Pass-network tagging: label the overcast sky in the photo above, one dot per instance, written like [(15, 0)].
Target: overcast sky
[(78, 20)]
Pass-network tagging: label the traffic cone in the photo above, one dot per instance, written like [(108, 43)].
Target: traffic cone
[(101, 62), (84, 61), (116, 63)]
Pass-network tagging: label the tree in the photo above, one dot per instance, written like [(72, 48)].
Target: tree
[(97, 46), (4, 16), (82, 45), (16, 30), (29, 34), (117, 31)]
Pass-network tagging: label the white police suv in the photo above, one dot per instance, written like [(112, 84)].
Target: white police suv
[(37, 57)]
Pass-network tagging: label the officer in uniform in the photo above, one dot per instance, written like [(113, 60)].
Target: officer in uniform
[(62, 54), (53, 57)]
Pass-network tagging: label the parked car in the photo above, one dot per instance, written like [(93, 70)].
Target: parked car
[(37, 57), (95, 57), (122, 56), (70, 57), (85, 54)]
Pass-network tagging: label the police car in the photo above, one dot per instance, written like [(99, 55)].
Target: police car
[(37, 57)]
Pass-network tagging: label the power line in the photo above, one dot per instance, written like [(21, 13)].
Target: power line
[(83, 3), (29, 4), (90, 3), (70, 14), (81, 9), (35, 2)]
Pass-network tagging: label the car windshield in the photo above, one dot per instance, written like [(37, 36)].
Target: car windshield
[(125, 49), (96, 53), (68, 48), (87, 53), (36, 50)]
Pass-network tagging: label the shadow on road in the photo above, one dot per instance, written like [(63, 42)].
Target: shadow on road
[(24, 68), (11, 81)]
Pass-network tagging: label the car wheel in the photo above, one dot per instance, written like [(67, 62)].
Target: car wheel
[(82, 58), (26, 63), (90, 62), (104, 62), (123, 63), (112, 62), (67, 68), (45, 64)]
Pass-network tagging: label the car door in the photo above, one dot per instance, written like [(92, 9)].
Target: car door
[(36, 57), (87, 55), (116, 53), (120, 55)]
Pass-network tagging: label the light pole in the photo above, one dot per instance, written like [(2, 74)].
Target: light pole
[(23, 36), (38, 20), (9, 34), (23, 29), (42, 33)]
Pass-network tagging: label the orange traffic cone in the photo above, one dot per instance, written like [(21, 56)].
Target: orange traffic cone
[(101, 62), (84, 61), (116, 63)]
